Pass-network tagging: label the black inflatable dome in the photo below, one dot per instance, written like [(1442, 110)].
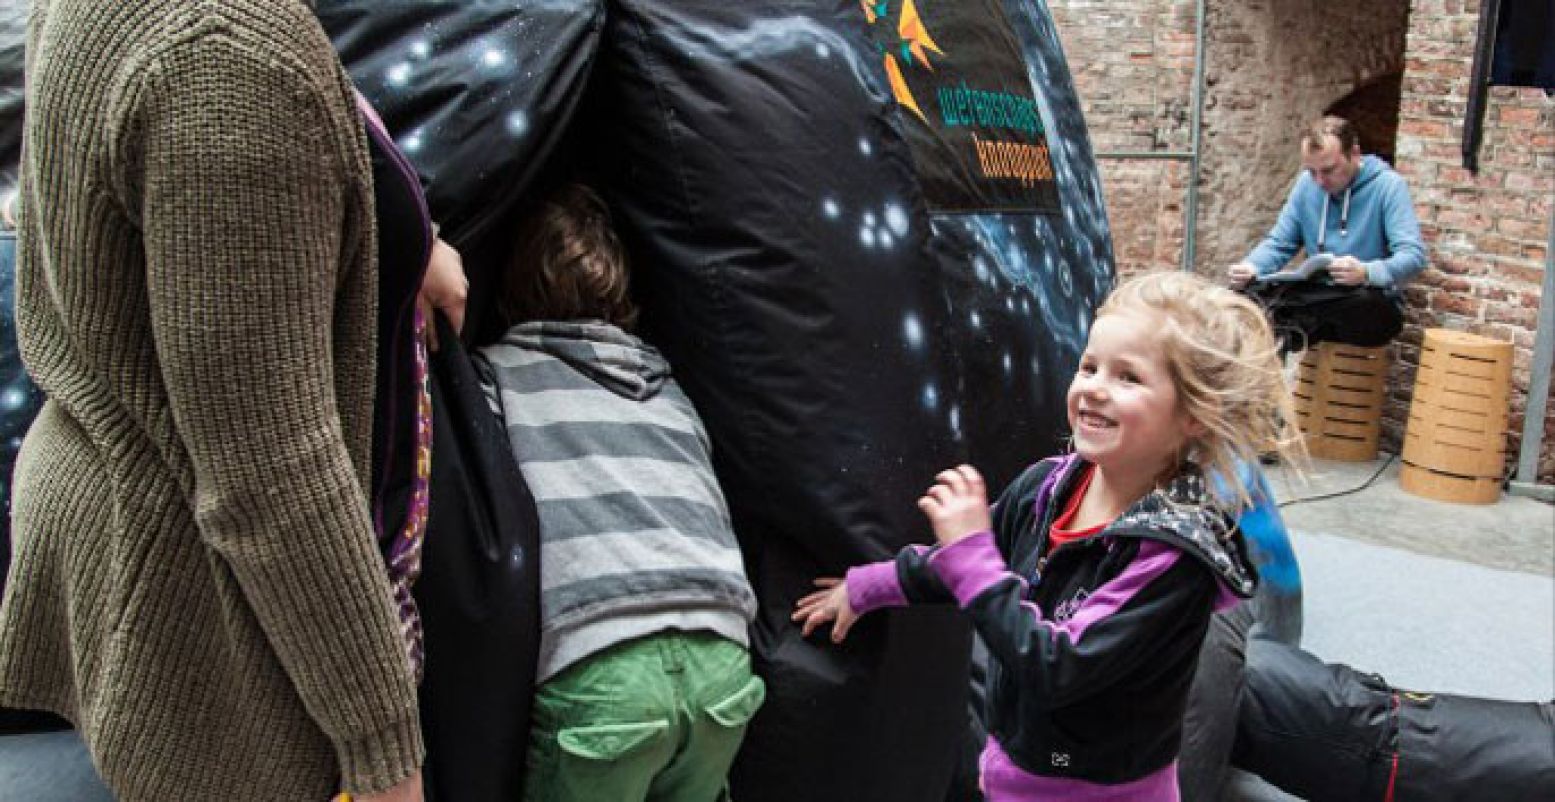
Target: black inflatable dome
[(868, 235)]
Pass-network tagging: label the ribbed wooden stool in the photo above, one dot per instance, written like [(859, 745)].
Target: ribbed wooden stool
[(1340, 390), (1455, 443)]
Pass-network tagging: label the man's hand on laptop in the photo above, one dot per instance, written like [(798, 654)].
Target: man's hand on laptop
[(1241, 273), (1348, 270)]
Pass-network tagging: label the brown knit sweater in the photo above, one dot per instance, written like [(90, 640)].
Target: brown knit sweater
[(196, 583)]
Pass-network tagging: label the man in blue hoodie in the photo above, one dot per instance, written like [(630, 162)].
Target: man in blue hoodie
[(1356, 210)]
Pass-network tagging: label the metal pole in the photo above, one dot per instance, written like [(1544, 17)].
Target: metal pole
[(1539, 382), (1479, 82), (1147, 155), (1191, 221)]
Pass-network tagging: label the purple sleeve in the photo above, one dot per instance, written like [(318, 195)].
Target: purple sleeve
[(873, 586), (969, 566)]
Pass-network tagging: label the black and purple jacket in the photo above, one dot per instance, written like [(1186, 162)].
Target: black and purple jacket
[(1094, 645)]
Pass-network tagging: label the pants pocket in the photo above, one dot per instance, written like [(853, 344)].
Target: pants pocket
[(598, 762), (611, 742), (740, 707), (702, 769)]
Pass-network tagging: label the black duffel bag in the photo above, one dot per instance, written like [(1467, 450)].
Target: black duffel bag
[(1328, 733), (479, 593)]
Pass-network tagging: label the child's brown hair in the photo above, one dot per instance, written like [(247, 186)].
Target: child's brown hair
[(1226, 368), (568, 264)]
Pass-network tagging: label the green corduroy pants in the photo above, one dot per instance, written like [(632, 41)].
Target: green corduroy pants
[(657, 718)]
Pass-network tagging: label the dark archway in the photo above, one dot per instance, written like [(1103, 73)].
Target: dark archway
[(1374, 108)]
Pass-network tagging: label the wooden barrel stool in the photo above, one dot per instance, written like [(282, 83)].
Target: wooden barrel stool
[(1455, 442), (1340, 390)]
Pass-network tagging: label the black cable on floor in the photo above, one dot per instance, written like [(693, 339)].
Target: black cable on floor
[(1338, 493)]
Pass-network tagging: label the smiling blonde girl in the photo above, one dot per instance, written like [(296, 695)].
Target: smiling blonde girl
[(1093, 576)]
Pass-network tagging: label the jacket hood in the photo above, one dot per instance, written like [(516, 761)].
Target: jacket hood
[(620, 362), (1371, 167), (1183, 513)]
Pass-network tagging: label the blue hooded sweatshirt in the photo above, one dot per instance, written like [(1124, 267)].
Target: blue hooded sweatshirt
[(1372, 220)]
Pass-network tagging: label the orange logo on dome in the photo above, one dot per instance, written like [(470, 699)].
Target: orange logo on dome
[(914, 46)]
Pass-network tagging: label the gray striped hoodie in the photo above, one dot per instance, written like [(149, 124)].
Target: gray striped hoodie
[(634, 531)]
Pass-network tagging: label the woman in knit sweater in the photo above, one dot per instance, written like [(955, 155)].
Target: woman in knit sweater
[(195, 581)]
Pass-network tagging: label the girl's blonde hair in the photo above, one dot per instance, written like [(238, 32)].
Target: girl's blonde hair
[(1226, 368)]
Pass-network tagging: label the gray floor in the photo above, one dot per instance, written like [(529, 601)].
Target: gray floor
[(1426, 623), (1435, 597), (1514, 534)]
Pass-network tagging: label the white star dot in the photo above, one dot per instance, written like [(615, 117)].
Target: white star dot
[(913, 331)]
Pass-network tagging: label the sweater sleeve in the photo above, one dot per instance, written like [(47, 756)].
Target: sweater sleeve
[(1283, 240), (1406, 250), (247, 177)]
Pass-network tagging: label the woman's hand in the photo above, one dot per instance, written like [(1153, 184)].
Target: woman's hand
[(408, 790), (444, 288), (830, 604), (957, 505)]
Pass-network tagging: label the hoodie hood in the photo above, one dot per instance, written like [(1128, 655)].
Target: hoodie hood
[(620, 362), (1371, 168), (1183, 514)]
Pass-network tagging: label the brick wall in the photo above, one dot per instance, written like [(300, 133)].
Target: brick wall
[(1133, 70), (1487, 232), (1271, 65)]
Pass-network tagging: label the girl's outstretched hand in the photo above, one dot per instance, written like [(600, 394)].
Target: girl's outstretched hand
[(957, 504), (829, 604)]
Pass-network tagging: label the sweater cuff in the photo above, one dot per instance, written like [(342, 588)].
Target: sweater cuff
[(969, 566), (873, 586), (375, 762), (1377, 275)]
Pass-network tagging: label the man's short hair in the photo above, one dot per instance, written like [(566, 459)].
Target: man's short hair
[(1314, 135), (568, 264)]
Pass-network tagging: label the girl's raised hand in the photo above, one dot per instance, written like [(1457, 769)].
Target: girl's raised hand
[(957, 504), (830, 604)]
